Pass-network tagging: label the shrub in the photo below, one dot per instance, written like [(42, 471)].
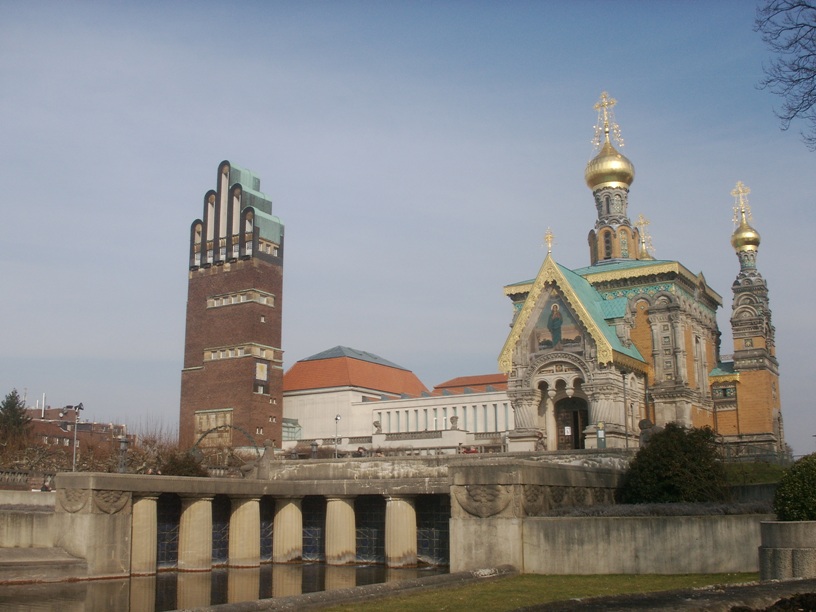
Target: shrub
[(678, 465), (181, 463), (795, 498)]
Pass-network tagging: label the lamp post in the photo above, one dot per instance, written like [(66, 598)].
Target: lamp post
[(336, 428), (123, 446), (76, 410)]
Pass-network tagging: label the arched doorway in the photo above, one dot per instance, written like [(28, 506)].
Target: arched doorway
[(571, 418)]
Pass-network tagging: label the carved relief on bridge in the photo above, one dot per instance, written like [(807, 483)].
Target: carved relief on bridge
[(541, 499), (86, 501), (484, 500)]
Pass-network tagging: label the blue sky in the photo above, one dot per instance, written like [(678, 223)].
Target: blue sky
[(417, 152)]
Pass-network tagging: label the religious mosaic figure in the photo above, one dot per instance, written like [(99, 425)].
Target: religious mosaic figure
[(554, 324)]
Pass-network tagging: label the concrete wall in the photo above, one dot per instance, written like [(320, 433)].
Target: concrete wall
[(28, 498), (609, 545), (26, 529)]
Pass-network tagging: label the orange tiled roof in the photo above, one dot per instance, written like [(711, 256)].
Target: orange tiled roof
[(498, 382), (351, 372)]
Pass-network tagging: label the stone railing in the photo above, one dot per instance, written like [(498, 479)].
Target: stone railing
[(413, 435)]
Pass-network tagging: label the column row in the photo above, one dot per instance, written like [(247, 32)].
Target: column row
[(196, 527)]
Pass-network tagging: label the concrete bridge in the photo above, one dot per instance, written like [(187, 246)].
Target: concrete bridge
[(112, 521)]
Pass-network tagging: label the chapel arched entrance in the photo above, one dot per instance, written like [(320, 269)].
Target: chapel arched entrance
[(571, 418)]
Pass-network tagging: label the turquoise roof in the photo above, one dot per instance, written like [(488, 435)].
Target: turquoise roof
[(601, 310), (344, 351), (269, 226), (723, 369), (621, 264)]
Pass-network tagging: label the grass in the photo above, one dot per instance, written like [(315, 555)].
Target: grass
[(506, 594)]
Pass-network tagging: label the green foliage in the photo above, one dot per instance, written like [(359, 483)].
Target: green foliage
[(181, 463), (795, 498), (678, 465), (14, 422), (756, 472)]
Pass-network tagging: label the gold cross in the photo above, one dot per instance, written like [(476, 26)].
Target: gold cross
[(549, 238), (741, 207), (606, 121)]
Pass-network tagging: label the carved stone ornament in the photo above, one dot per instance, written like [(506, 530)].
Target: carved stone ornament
[(72, 500), (483, 500), (535, 500), (111, 502)]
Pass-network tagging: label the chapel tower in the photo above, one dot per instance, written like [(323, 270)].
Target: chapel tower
[(609, 175), (232, 381), (746, 391)]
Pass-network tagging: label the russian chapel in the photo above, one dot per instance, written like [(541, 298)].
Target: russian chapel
[(597, 354), (232, 381)]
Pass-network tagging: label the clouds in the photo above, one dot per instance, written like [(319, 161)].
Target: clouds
[(415, 152)]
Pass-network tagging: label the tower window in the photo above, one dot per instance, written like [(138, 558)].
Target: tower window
[(607, 245)]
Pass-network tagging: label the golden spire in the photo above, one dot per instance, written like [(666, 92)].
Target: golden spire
[(646, 247), (608, 168), (549, 239), (745, 237)]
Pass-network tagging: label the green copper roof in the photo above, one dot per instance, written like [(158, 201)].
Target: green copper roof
[(269, 225), (723, 369), (601, 310), (621, 264)]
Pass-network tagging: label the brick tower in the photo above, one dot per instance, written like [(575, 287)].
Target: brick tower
[(232, 381), (746, 391)]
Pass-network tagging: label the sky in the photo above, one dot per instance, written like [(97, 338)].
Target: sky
[(416, 152)]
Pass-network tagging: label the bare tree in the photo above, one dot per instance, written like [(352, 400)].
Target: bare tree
[(788, 27)]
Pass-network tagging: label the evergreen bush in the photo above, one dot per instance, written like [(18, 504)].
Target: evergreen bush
[(795, 498), (678, 465)]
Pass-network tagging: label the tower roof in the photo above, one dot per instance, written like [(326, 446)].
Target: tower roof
[(609, 168), (745, 237)]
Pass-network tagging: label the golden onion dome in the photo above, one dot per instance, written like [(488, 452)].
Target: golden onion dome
[(609, 168), (745, 237)]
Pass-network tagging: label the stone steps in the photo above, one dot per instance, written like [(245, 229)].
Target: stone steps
[(22, 565)]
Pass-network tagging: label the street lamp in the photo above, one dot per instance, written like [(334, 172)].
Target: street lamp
[(76, 410), (123, 446), (336, 428)]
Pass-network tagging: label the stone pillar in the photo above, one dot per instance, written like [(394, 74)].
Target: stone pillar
[(287, 536), (400, 532), (551, 424), (144, 536), (195, 535), (341, 531), (245, 532)]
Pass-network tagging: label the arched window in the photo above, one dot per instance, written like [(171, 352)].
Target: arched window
[(607, 238)]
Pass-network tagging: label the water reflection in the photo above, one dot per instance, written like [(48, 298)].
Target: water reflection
[(173, 590)]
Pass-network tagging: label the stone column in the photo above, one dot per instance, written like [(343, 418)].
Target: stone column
[(400, 532), (341, 531), (144, 536), (287, 536), (195, 535), (245, 532)]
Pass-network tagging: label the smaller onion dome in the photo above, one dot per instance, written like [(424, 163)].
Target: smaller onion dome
[(745, 237), (609, 168)]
